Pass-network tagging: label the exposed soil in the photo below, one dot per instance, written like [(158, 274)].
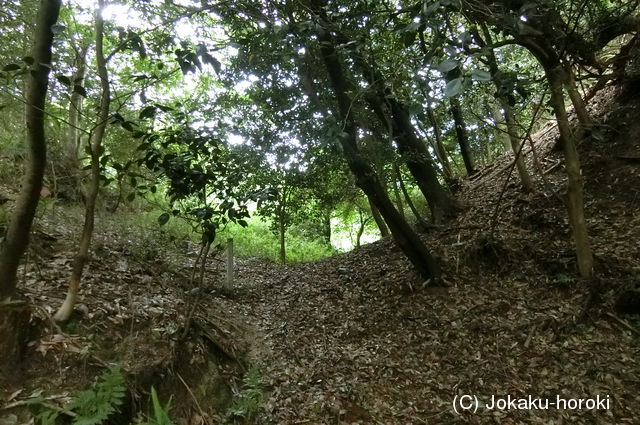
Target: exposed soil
[(357, 338)]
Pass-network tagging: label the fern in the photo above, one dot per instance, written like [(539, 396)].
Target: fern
[(95, 405), (249, 400)]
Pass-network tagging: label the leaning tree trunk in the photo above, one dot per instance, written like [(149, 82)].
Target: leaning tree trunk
[(15, 315), (407, 196), (462, 136), (395, 116), (82, 256), (366, 178), (17, 237), (382, 226), (441, 152), (575, 195)]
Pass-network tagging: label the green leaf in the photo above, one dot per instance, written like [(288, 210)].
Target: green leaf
[(28, 60), (147, 112), (163, 218), (481, 75), (243, 223), (57, 29), (80, 90), (409, 37), (447, 65), (11, 67), (453, 87), (64, 80)]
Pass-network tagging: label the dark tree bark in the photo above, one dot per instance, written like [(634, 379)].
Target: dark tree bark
[(326, 227), (462, 135), (82, 255), (17, 237), (441, 152), (406, 195), (382, 226), (15, 316), (366, 178), (413, 151)]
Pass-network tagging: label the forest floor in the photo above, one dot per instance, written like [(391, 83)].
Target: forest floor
[(357, 338)]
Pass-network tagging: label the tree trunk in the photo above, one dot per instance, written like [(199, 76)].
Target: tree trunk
[(414, 153), (15, 315), (363, 223), (382, 226), (326, 227), (82, 256), (366, 179), (516, 145), (281, 237), (76, 103), (399, 203), (462, 135), (17, 237), (575, 196), (407, 197), (441, 152), (75, 113), (510, 138), (501, 129), (576, 100)]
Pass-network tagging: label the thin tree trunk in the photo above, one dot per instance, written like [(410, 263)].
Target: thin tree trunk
[(407, 197), (399, 203), (17, 237), (75, 109), (441, 152), (516, 143), (82, 256), (75, 114), (510, 138), (576, 100), (366, 179), (462, 135), (501, 129), (382, 226), (575, 197), (363, 222), (281, 234), (413, 152), (326, 227)]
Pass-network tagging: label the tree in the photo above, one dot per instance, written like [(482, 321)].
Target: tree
[(17, 237), (366, 179), (95, 152), (14, 320)]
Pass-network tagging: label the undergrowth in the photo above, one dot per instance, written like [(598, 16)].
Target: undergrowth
[(92, 406), (248, 401), (257, 240)]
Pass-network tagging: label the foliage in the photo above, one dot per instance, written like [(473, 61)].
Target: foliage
[(94, 405), (160, 412), (248, 401), (258, 240)]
